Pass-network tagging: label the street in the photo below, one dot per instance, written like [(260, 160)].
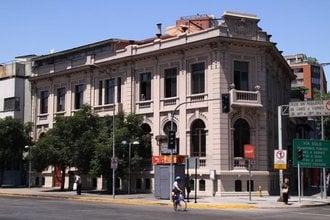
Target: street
[(43, 208)]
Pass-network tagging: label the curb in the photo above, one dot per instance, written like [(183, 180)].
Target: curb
[(131, 201), (201, 205)]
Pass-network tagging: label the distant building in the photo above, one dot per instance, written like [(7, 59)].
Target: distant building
[(230, 61), (309, 74), (15, 101)]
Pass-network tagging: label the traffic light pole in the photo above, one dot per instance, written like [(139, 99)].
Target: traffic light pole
[(299, 184), (172, 117)]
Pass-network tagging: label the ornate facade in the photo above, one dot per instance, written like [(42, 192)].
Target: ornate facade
[(188, 72)]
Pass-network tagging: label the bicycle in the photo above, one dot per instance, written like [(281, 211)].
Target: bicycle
[(179, 204)]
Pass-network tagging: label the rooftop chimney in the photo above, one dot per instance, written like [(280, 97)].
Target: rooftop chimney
[(159, 30)]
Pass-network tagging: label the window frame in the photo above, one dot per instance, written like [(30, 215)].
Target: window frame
[(60, 98), (44, 95), (198, 78), (145, 86), (170, 82), (79, 96)]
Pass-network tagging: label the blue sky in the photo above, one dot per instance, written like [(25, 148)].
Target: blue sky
[(37, 26)]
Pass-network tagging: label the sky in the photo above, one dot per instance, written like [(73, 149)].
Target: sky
[(39, 26)]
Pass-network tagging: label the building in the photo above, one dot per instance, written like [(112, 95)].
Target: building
[(15, 101), (194, 71), (309, 73)]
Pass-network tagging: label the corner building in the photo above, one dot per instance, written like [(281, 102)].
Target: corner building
[(188, 69)]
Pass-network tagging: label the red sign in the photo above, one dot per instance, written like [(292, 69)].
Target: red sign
[(249, 151), (166, 159)]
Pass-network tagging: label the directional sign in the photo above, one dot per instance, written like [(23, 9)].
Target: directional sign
[(280, 157), (309, 108), (316, 153)]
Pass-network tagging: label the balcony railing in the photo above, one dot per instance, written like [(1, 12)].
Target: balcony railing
[(240, 163), (245, 98)]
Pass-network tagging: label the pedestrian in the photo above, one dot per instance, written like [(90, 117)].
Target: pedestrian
[(78, 183), (285, 191)]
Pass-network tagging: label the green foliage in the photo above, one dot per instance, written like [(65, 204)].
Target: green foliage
[(14, 136), (85, 141), (326, 119)]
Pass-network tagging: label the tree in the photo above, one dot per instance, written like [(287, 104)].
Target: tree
[(127, 128), (71, 143), (326, 119), (14, 136)]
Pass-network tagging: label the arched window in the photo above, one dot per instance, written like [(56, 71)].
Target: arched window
[(198, 139), (241, 137), (167, 127), (147, 152)]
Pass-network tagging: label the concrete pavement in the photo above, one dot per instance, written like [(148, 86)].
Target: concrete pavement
[(212, 202)]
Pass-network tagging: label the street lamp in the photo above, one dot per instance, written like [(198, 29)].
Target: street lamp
[(114, 161), (30, 165), (129, 163), (324, 194)]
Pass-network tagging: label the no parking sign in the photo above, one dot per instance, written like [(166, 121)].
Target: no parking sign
[(280, 159)]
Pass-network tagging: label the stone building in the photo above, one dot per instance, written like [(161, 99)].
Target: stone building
[(15, 102), (193, 69)]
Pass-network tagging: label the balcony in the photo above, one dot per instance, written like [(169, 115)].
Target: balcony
[(241, 98), (240, 163)]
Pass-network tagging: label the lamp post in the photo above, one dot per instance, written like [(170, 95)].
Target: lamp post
[(324, 195), (30, 165), (114, 161), (172, 125), (129, 163)]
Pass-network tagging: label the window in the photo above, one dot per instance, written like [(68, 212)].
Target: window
[(170, 82), (298, 70), (241, 75), (79, 96), (60, 99), (202, 186), (198, 78), (241, 137), (145, 86), (119, 90), (109, 91), (100, 92), (43, 102), (238, 186), (11, 104), (198, 139)]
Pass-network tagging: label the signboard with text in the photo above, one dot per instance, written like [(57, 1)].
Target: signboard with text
[(315, 153), (309, 108)]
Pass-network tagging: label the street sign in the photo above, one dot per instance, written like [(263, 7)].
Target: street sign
[(309, 108), (315, 153), (280, 158), (249, 151)]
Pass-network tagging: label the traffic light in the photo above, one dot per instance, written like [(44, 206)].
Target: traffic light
[(300, 154), (225, 103), (171, 139)]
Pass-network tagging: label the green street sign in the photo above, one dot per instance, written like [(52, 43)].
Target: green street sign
[(312, 153)]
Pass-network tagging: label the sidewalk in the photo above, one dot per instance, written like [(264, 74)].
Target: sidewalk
[(216, 202)]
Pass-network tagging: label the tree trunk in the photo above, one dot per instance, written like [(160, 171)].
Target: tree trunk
[(62, 178)]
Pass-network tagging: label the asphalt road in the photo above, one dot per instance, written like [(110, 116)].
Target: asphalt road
[(40, 208)]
